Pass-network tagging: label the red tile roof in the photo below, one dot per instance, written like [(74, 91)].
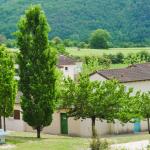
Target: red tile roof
[(133, 73)]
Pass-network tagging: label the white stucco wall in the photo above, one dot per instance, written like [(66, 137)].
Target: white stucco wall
[(70, 72), (74, 127), (13, 124), (143, 86), (54, 128)]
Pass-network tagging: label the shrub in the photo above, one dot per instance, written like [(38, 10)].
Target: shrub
[(105, 62), (97, 144), (57, 40), (115, 59), (102, 61), (119, 58), (100, 39), (144, 55), (81, 44)]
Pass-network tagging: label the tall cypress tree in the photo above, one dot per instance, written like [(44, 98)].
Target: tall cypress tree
[(37, 69)]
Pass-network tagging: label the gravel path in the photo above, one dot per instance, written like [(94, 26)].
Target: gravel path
[(141, 145)]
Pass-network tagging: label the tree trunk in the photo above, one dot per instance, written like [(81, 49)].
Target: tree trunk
[(4, 123), (93, 127), (148, 125), (0, 122), (38, 133)]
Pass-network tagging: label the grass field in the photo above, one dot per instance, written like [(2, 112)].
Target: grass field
[(99, 52), (28, 141), (118, 66)]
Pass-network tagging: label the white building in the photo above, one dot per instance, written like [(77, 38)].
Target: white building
[(135, 76)]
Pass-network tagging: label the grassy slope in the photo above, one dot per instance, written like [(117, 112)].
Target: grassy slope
[(99, 52), (28, 141)]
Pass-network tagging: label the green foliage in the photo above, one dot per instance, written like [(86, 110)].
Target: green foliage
[(70, 43), (57, 43), (11, 43), (76, 19), (92, 64), (8, 84), (115, 58), (57, 40), (99, 39), (97, 144), (107, 100), (37, 69), (133, 59), (144, 107)]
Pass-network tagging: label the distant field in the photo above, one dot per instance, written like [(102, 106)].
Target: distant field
[(118, 66), (99, 52)]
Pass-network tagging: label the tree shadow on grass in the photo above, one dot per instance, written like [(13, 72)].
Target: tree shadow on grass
[(20, 139)]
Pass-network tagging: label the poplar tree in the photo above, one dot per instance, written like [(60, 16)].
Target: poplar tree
[(37, 69), (8, 85)]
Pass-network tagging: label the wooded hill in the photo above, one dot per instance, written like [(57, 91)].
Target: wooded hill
[(126, 20)]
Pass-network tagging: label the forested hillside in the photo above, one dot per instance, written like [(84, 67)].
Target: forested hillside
[(126, 20)]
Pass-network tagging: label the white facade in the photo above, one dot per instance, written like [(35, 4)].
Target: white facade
[(68, 71), (71, 70), (82, 127)]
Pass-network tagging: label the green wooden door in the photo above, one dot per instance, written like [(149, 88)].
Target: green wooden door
[(64, 123)]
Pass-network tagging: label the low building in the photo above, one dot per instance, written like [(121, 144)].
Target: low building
[(135, 76)]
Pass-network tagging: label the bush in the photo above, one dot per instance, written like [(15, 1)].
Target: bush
[(98, 144), (105, 62), (119, 58), (115, 59), (102, 61), (100, 39), (57, 40), (81, 44), (144, 55)]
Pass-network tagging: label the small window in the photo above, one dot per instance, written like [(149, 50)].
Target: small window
[(66, 68), (17, 114)]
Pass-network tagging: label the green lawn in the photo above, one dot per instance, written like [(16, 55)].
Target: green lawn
[(28, 141), (117, 66), (99, 52)]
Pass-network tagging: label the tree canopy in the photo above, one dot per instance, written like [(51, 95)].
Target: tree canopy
[(37, 62), (127, 20), (100, 39), (144, 107), (8, 84), (107, 100)]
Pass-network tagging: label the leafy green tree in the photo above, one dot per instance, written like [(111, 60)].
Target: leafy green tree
[(92, 99), (134, 59), (144, 107), (37, 69), (57, 40), (99, 39), (92, 64), (8, 84)]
